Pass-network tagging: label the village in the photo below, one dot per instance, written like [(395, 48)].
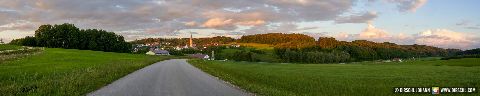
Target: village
[(167, 48)]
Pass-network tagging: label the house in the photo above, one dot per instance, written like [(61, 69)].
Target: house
[(161, 52), (235, 45), (200, 56), (150, 53), (397, 60), (158, 52)]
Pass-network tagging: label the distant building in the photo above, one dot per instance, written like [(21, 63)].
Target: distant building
[(200, 56), (235, 45), (150, 53), (397, 60), (161, 52), (158, 52)]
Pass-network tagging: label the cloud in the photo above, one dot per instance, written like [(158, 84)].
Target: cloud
[(18, 25), (252, 23), (373, 33), (408, 5), (276, 28), (446, 39), (147, 15), (442, 38), (357, 18), (467, 24), (9, 35), (315, 34), (191, 23), (219, 23), (463, 23), (473, 27)]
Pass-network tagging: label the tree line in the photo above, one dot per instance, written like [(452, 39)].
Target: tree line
[(275, 38), (185, 41), (472, 53), (70, 37), (358, 50)]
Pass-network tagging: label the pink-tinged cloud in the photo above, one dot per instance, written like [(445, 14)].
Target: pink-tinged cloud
[(191, 23), (373, 33), (446, 39), (218, 23), (443, 38)]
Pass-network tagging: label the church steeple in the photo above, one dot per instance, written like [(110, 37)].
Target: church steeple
[(191, 40)]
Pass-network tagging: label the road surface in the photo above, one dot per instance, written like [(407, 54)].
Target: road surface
[(169, 78)]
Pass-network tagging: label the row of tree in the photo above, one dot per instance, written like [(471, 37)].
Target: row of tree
[(70, 37), (472, 53), (275, 38), (185, 41), (361, 50)]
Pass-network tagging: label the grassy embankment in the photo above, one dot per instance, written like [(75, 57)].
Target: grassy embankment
[(67, 71), (366, 78), (8, 47)]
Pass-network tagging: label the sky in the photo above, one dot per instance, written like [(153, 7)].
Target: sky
[(440, 23)]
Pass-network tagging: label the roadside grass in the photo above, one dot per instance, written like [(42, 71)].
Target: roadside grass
[(257, 46), (9, 47), (67, 71), (364, 79)]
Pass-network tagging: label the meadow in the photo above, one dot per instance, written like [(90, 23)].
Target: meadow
[(8, 47), (362, 78), (69, 72)]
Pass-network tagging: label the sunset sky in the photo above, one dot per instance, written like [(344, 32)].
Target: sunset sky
[(441, 23)]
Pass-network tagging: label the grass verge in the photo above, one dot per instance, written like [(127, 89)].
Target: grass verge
[(365, 79), (67, 71)]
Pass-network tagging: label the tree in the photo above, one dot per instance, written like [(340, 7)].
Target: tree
[(68, 36)]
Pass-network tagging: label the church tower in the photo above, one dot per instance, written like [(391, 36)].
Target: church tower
[(191, 40)]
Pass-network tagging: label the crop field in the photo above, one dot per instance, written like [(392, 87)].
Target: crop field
[(67, 72), (364, 78)]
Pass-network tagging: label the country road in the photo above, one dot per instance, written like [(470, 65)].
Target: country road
[(169, 78)]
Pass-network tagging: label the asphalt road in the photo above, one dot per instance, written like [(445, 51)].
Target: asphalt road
[(169, 78)]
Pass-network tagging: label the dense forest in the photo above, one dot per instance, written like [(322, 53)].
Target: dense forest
[(70, 37), (275, 38)]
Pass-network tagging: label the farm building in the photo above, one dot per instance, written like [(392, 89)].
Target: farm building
[(200, 56), (158, 52)]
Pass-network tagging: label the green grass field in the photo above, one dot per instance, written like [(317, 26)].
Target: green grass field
[(67, 71), (8, 47), (364, 79), (257, 46)]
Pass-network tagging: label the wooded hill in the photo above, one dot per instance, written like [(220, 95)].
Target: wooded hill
[(301, 48)]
